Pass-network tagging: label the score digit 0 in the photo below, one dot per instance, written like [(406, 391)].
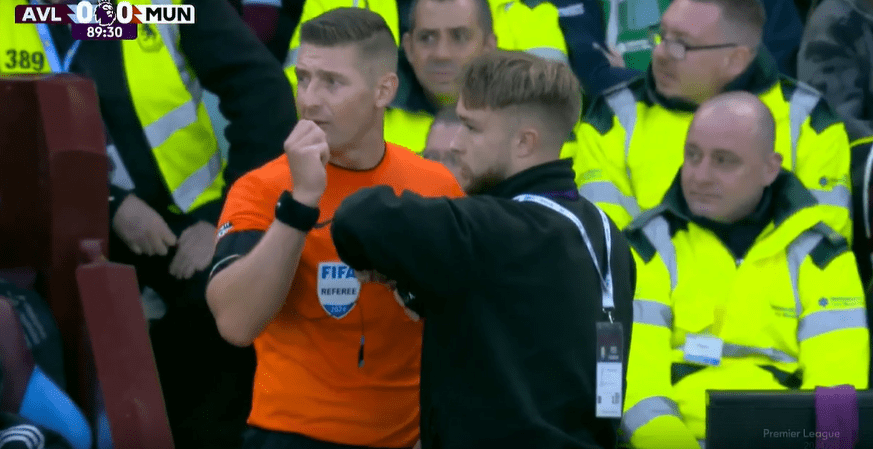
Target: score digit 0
[(85, 12)]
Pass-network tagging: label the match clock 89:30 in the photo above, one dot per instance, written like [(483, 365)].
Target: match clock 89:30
[(93, 31)]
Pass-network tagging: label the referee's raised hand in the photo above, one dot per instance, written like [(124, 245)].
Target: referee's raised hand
[(307, 151)]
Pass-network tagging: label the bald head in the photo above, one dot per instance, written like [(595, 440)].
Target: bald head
[(729, 157), (744, 113)]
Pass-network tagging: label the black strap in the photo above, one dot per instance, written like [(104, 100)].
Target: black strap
[(791, 381), (296, 214)]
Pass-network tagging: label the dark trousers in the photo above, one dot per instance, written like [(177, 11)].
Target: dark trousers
[(207, 383), (256, 438)]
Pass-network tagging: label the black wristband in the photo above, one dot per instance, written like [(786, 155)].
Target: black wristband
[(296, 214)]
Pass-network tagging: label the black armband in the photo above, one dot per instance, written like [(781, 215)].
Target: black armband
[(296, 214)]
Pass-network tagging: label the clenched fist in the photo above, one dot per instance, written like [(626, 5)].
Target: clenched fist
[(308, 153)]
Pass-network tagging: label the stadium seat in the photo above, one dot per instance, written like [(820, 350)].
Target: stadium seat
[(54, 219)]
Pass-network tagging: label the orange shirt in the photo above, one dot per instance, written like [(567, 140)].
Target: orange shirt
[(308, 380)]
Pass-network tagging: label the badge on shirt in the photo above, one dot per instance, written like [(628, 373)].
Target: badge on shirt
[(703, 349), (610, 356), (338, 288)]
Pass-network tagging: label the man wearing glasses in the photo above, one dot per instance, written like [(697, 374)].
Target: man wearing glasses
[(630, 142)]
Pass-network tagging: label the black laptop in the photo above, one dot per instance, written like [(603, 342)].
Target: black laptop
[(774, 419)]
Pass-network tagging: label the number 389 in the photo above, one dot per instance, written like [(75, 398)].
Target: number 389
[(24, 59)]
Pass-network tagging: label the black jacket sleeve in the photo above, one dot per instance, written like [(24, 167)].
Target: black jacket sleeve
[(116, 197), (255, 95), (436, 248), (427, 245)]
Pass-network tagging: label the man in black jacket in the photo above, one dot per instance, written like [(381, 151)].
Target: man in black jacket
[(524, 286), (163, 217)]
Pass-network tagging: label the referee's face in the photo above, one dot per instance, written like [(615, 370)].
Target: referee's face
[(482, 145), (334, 91)]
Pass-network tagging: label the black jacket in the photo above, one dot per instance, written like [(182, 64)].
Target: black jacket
[(510, 299), (229, 61)]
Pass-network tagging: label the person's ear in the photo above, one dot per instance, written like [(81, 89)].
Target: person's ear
[(738, 60), (773, 167), (386, 89), (490, 41), (527, 141)]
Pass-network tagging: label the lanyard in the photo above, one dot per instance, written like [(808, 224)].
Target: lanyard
[(605, 275), (571, 194), (51, 52)]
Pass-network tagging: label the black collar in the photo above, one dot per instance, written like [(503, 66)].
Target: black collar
[(760, 76), (410, 95), (552, 177)]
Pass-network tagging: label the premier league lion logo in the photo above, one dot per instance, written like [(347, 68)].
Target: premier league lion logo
[(105, 13)]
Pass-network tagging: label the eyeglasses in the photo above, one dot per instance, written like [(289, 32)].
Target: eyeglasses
[(678, 50)]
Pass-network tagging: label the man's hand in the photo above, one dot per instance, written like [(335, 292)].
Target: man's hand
[(196, 247), (365, 276), (612, 55), (615, 58), (379, 278), (308, 153), (142, 228)]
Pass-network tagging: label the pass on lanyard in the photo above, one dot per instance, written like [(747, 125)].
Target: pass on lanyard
[(51, 52), (610, 335)]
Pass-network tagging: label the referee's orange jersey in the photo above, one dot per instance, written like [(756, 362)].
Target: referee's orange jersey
[(309, 378)]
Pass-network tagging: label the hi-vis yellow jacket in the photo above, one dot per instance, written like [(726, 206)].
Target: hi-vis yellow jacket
[(516, 27), (791, 313), (631, 142), (166, 96)]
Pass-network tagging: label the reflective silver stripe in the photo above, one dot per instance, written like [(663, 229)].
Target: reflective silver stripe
[(652, 312), (702, 444), (118, 174), (732, 350), (186, 114), (802, 102), (868, 165), (838, 196), (797, 252), (170, 36), (607, 192), (549, 53), (291, 59), (276, 3), (658, 232), (577, 9), (825, 321), (612, 23), (739, 351), (187, 192), (161, 129), (646, 410), (625, 107)]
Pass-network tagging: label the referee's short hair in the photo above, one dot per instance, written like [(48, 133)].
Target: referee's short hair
[(358, 26)]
